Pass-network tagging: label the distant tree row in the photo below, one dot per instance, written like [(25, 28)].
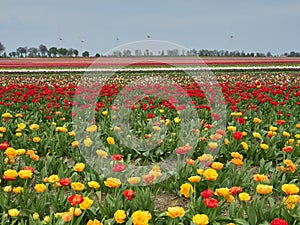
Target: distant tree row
[(194, 52), (43, 51)]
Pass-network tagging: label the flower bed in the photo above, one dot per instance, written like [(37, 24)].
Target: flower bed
[(234, 166), (141, 61)]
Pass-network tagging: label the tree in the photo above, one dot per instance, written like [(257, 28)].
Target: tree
[(236, 53), (43, 49), (126, 53), (292, 54), (62, 51), (138, 52), (215, 53), (32, 52), (85, 54), (12, 54), (70, 52), (22, 51), (259, 54), (76, 52), (18, 52), (52, 51), (2, 48), (173, 52), (192, 52), (221, 53), (117, 53), (97, 55), (147, 52)]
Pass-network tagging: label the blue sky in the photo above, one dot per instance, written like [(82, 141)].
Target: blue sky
[(256, 25)]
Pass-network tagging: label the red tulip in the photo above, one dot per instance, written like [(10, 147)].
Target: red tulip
[(65, 181), (129, 194), (119, 168), (237, 135), (207, 193), (211, 202), (4, 145), (75, 199), (279, 221)]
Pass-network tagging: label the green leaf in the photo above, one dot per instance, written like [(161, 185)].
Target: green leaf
[(264, 223), (231, 210), (216, 223), (93, 210), (129, 222), (223, 218), (286, 214), (79, 219), (241, 221), (271, 202), (109, 221), (252, 217), (27, 212)]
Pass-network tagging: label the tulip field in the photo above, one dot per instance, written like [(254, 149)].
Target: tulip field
[(150, 147), (140, 61)]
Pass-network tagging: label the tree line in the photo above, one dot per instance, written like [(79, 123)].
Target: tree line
[(43, 51), (202, 53)]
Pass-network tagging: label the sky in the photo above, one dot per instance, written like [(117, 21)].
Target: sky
[(101, 25)]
